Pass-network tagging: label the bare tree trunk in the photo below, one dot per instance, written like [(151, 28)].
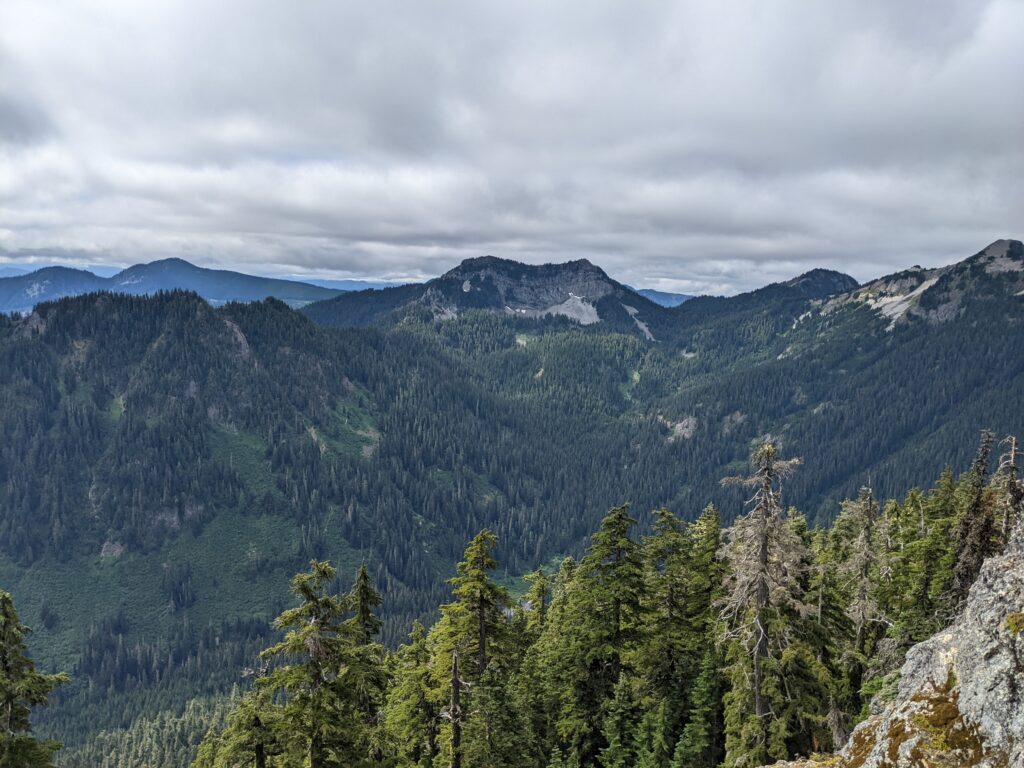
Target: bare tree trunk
[(761, 643), (481, 651), (456, 713)]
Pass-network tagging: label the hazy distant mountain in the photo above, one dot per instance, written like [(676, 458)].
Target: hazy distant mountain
[(347, 285), (664, 298), (20, 293)]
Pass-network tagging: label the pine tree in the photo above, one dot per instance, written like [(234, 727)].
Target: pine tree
[(21, 689)]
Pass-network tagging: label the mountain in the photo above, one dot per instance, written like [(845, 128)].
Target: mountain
[(664, 298), (22, 292), (167, 464), (576, 290)]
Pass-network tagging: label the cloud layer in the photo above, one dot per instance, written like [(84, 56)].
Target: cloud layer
[(702, 147)]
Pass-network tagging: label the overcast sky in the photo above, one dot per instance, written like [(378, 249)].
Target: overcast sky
[(700, 147)]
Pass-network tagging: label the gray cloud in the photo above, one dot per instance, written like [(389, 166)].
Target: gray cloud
[(691, 146)]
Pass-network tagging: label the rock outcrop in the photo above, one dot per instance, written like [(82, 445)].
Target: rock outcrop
[(961, 693)]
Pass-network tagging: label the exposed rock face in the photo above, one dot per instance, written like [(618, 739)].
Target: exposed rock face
[(939, 295), (961, 693)]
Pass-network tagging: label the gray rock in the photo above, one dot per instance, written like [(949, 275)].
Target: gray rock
[(961, 692)]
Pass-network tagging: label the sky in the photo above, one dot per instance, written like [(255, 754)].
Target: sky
[(701, 147)]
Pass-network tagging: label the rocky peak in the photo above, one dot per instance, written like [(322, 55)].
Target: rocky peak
[(999, 257), (571, 289)]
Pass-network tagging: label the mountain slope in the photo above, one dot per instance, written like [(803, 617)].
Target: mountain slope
[(21, 293)]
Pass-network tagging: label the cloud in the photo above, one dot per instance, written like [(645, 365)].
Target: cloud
[(691, 146)]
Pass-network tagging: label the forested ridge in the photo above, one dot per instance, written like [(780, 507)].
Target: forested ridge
[(167, 465), (688, 645)]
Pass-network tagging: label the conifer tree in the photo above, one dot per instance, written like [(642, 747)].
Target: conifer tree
[(766, 558), (364, 598), (253, 736), (975, 536), (414, 707), (863, 561), (477, 617), (538, 599), (319, 711), (21, 689), (1009, 491), (701, 743)]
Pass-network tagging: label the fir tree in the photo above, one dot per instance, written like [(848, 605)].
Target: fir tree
[(319, 711), (364, 598), (414, 706), (538, 599), (21, 689), (766, 558)]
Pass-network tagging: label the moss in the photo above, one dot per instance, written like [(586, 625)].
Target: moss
[(1015, 623), (949, 739), (936, 735)]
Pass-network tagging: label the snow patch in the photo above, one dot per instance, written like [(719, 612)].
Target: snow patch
[(466, 286)]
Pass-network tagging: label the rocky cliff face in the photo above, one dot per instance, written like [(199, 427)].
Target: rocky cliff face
[(961, 693)]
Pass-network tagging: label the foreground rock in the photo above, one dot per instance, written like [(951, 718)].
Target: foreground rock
[(961, 693)]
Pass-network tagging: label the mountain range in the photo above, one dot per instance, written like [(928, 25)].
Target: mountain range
[(168, 463), (22, 287), (21, 292)]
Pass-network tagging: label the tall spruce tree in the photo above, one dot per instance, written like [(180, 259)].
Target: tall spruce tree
[(766, 558), (21, 689)]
